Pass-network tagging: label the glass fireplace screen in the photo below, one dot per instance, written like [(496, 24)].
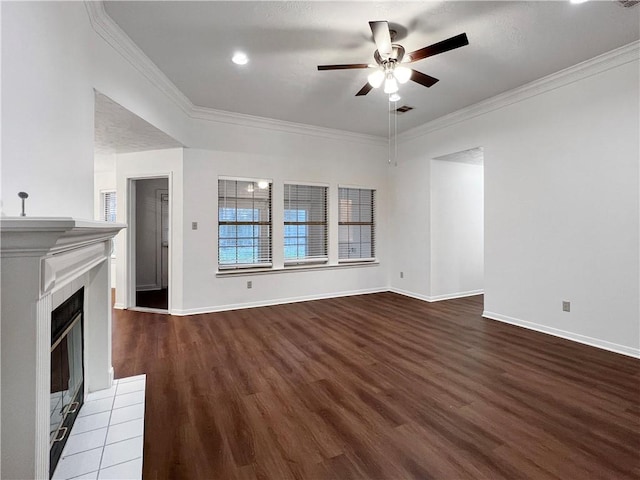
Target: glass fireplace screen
[(67, 375)]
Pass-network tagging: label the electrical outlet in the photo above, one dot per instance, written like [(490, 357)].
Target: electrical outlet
[(401, 274), (566, 306), (249, 284), (194, 225)]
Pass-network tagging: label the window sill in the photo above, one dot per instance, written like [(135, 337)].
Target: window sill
[(293, 268)]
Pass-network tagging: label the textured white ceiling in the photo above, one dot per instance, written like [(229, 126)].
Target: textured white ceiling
[(117, 130), (473, 156), (511, 43)]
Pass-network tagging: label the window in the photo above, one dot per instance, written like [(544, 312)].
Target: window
[(244, 223), (109, 206), (305, 224), (356, 224), (108, 203)]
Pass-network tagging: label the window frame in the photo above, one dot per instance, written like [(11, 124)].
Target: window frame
[(103, 204), (291, 262), (240, 223), (104, 194), (372, 224)]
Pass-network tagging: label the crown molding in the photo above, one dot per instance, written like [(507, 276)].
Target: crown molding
[(104, 26), (109, 30), (233, 118), (588, 68)]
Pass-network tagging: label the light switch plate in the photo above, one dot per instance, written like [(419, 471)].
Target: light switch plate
[(194, 225)]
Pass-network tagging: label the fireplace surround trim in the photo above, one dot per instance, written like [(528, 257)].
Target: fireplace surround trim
[(42, 258)]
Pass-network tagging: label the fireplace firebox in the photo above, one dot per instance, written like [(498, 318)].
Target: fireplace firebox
[(67, 372)]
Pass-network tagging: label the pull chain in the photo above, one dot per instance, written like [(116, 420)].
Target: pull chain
[(395, 133), (389, 131)]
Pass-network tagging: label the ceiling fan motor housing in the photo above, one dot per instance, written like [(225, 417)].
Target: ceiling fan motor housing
[(397, 54)]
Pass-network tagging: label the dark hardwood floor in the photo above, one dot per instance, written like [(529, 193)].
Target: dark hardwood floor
[(376, 386)]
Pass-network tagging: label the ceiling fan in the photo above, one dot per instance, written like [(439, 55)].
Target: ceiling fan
[(390, 59)]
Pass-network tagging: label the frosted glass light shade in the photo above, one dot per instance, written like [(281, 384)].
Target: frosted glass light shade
[(376, 78), (402, 74), (390, 85), (394, 97), (240, 58)]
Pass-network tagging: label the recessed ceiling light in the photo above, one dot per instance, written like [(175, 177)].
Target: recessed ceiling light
[(240, 58), (578, 1)]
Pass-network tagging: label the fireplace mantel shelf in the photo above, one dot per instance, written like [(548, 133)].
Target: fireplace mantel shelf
[(38, 236)]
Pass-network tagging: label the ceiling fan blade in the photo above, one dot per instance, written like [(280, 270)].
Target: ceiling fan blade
[(364, 90), (343, 67), (382, 37), (440, 47), (422, 78)]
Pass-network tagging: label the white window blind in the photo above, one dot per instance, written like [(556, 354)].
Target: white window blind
[(356, 224), (305, 224), (109, 206), (244, 224), (109, 203)]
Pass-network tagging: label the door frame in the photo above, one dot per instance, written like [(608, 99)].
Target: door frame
[(159, 193), (130, 253)]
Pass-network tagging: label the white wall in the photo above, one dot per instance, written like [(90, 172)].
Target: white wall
[(104, 179), (410, 223), (147, 268), (320, 161), (561, 207), (47, 109), (52, 60), (156, 163), (457, 229)]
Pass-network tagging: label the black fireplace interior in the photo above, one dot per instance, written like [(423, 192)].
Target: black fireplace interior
[(67, 372)]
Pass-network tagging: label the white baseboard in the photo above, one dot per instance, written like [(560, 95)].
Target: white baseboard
[(406, 293), (451, 296), (119, 306), (576, 337), (149, 310), (436, 298), (279, 301)]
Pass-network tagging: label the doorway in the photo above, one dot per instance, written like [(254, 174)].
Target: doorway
[(457, 224), (151, 240)]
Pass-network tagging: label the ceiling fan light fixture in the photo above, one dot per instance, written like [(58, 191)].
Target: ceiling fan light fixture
[(390, 84), (376, 78), (394, 97), (402, 74), (240, 58)]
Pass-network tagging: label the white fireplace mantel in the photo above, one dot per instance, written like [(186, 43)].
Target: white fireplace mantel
[(41, 261), (36, 236)]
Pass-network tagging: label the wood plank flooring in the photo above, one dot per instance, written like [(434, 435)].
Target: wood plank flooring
[(376, 386)]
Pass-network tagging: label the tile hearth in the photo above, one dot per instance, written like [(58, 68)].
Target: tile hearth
[(106, 441)]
